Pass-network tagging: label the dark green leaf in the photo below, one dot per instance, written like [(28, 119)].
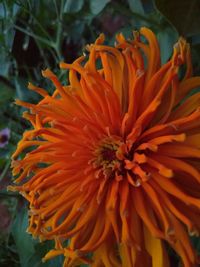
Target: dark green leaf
[(75, 31), (98, 5), (4, 63), (136, 6), (31, 251), (22, 92), (167, 37), (2, 10), (24, 242), (183, 14), (73, 6), (41, 249), (6, 91)]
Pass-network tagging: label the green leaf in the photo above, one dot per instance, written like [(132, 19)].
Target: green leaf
[(22, 92), (6, 92), (98, 5), (73, 6), (167, 37), (136, 6), (31, 251), (183, 14), (75, 31), (41, 249), (4, 63), (24, 242), (2, 10)]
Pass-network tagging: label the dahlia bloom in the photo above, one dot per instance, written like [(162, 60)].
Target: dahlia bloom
[(111, 165)]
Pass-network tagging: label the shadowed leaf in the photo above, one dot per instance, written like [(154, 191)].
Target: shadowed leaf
[(183, 14), (72, 6), (98, 5)]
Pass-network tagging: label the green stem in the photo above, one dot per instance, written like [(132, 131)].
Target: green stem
[(37, 21), (42, 54), (56, 8), (39, 38), (59, 31), (5, 170)]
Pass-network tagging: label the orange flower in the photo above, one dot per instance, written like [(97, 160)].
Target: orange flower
[(111, 166)]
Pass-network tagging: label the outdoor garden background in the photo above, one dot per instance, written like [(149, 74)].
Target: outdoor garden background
[(36, 34)]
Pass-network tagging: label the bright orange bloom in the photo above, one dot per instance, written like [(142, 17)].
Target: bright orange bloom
[(112, 163)]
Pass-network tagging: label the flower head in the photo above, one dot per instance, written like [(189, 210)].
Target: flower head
[(112, 167)]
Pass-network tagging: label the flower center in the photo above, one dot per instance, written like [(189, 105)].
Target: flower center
[(107, 158), (115, 159), (3, 138), (108, 155)]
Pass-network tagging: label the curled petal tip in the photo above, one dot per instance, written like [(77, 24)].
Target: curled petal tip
[(100, 39), (47, 73)]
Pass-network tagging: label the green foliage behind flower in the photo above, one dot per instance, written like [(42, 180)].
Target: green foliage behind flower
[(35, 35)]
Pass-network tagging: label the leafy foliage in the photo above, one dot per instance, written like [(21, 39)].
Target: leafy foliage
[(38, 34), (30, 251)]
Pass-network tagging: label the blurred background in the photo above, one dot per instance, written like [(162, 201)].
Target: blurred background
[(36, 34)]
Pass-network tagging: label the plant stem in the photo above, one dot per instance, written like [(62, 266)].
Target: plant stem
[(39, 38), (59, 32), (5, 170)]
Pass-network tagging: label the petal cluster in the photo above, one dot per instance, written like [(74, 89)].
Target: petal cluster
[(111, 165)]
